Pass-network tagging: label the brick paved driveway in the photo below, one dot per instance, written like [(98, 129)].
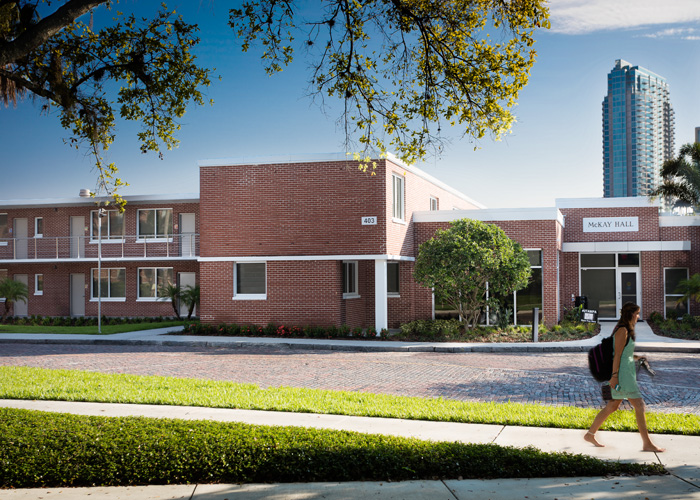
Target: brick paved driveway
[(551, 378)]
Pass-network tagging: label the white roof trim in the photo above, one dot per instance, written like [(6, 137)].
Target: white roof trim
[(77, 201), (490, 214), (305, 258), (626, 246), (630, 201), (678, 221)]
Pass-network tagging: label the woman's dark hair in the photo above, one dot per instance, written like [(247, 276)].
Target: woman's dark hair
[(629, 309)]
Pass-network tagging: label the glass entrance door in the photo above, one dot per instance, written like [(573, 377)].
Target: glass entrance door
[(627, 287)]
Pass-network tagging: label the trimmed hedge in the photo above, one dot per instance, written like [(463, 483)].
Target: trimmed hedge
[(39, 449)]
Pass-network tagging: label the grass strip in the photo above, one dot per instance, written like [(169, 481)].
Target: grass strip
[(88, 329), (73, 385), (39, 449)]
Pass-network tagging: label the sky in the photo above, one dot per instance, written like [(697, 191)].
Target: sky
[(554, 149)]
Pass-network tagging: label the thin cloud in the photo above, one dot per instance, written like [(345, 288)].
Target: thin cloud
[(682, 33), (578, 17)]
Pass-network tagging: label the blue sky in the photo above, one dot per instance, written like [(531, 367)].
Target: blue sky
[(553, 151)]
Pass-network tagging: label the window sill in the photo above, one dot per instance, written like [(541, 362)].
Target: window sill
[(393, 295), (3, 243), (249, 297), (38, 293), (109, 299), (399, 221), (107, 240), (141, 239), (351, 295)]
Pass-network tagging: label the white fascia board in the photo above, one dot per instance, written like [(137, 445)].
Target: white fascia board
[(678, 221), (625, 246), (78, 201), (271, 258), (621, 202), (490, 214)]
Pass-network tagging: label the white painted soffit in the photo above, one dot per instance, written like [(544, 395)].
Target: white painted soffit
[(78, 201), (625, 246), (490, 214), (270, 258)]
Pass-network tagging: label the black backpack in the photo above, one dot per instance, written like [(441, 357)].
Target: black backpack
[(600, 358)]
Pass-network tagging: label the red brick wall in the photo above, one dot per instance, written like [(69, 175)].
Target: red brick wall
[(55, 300)]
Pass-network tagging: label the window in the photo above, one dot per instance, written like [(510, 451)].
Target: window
[(398, 197), (250, 281), (433, 204), (350, 279), (152, 280), (38, 284), (672, 277), (157, 223), (112, 225), (38, 227), (111, 284), (392, 275), (4, 230)]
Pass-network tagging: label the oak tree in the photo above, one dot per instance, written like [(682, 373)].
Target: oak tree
[(140, 69), (403, 68)]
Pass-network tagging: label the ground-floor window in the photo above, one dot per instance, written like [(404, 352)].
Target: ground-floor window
[(112, 283), (152, 281), (392, 278), (350, 274), (249, 280), (672, 277), (38, 284)]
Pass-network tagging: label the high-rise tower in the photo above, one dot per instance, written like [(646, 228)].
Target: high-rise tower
[(638, 130)]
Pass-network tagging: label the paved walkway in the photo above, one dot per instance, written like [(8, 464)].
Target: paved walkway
[(682, 458)]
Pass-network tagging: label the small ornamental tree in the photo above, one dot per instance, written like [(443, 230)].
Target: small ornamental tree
[(458, 262)]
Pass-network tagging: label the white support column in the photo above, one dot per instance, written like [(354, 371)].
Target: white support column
[(381, 301)]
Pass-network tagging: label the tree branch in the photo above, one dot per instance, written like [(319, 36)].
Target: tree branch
[(40, 33)]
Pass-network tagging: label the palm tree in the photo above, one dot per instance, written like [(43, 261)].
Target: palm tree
[(690, 289), (681, 176), (172, 293), (12, 291), (190, 297)]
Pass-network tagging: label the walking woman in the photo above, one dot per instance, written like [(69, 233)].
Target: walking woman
[(623, 384)]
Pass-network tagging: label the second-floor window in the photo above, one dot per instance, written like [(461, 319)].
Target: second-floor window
[(38, 227), (112, 225), (155, 223), (4, 230), (397, 197)]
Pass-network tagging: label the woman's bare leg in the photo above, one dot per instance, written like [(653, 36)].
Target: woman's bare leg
[(603, 414), (639, 408)]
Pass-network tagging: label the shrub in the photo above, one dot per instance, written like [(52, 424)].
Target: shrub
[(59, 450)]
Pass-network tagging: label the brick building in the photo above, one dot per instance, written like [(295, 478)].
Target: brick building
[(315, 241)]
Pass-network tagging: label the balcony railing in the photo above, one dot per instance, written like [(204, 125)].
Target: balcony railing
[(47, 248)]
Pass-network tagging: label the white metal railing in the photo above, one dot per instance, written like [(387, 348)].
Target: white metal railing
[(85, 247)]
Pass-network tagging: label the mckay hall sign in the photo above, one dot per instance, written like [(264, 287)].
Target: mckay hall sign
[(610, 224)]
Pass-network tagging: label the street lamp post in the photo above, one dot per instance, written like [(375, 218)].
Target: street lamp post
[(100, 214)]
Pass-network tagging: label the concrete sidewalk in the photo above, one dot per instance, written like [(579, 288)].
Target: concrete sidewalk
[(647, 341), (682, 460)]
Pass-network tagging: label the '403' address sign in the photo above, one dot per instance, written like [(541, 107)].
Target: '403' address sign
[(369, 221)]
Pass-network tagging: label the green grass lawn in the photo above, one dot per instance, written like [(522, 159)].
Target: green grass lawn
[(69, 385), (88, 330)]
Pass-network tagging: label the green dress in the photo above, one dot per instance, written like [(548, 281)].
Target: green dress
[(627, 376)]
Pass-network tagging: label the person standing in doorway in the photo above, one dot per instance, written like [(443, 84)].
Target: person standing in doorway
[(623, 384)]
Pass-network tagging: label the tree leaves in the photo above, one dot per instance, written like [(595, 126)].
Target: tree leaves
[(404, 67)]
